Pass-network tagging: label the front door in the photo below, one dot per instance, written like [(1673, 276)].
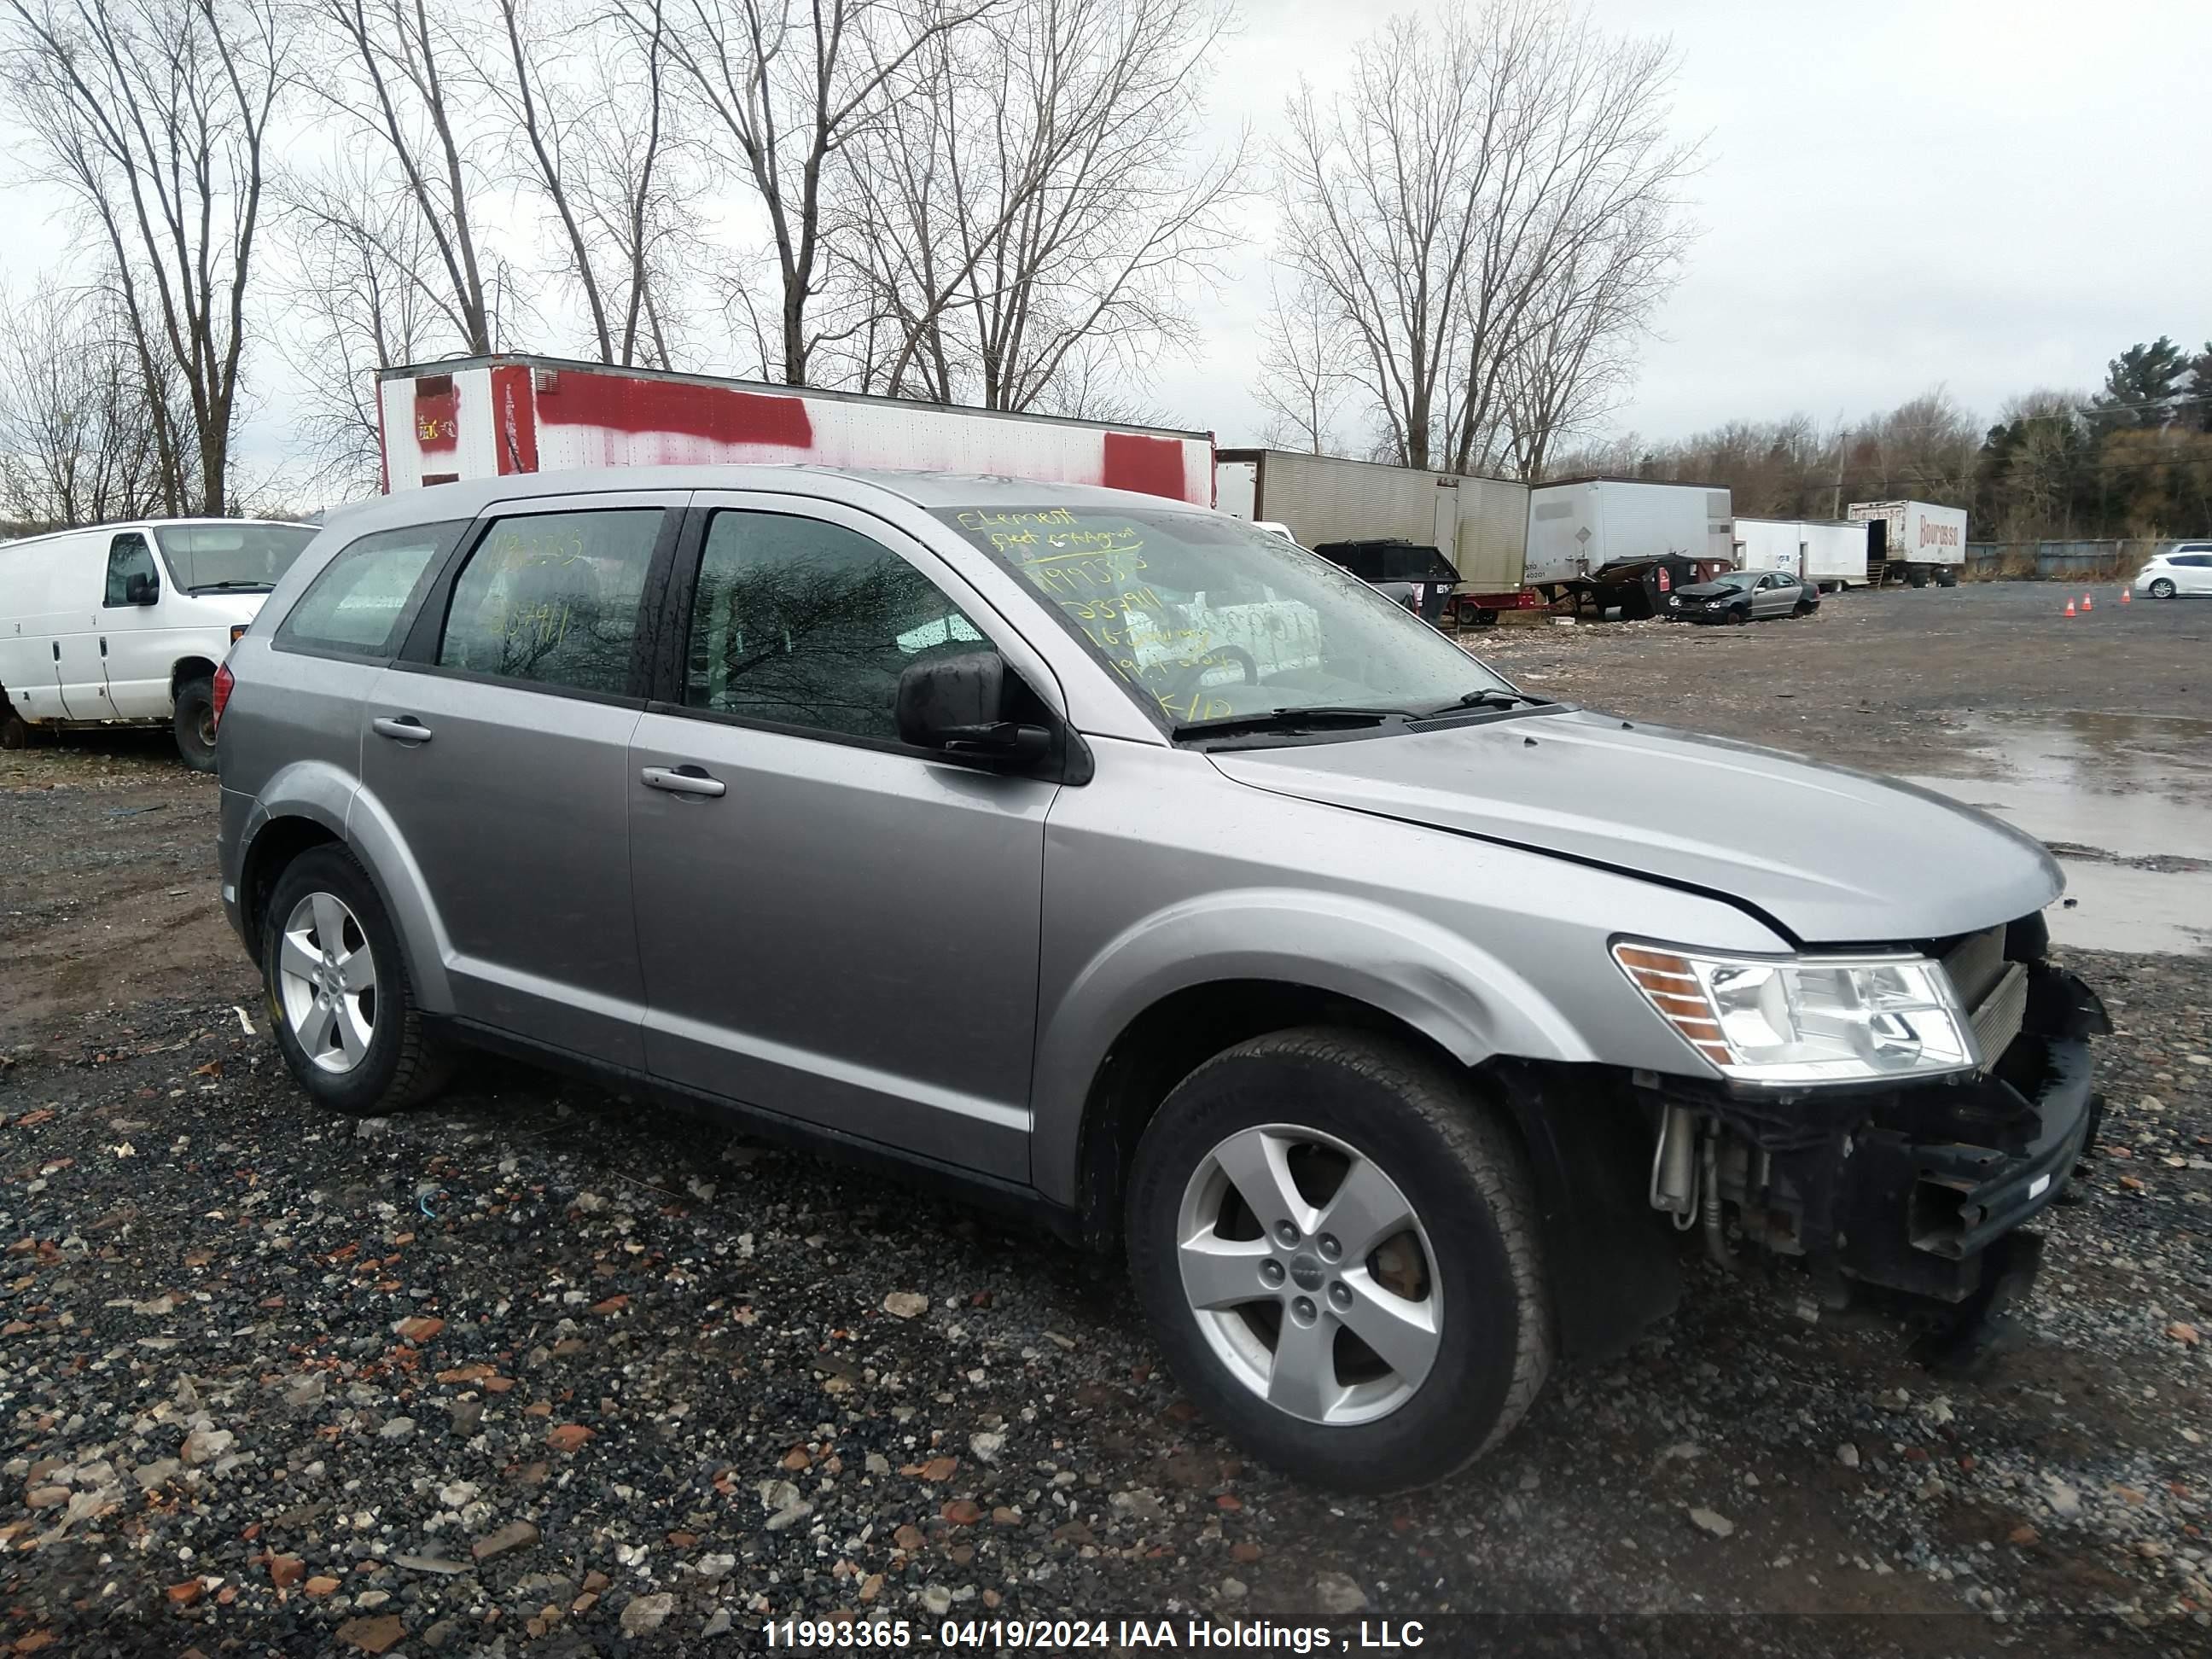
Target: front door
[(134, 637), (497, 749), (834, 926)]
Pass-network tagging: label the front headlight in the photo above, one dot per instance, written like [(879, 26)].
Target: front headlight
[(1806, 1019)]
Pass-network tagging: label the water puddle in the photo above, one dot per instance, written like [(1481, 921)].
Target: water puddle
[(2125, 800)]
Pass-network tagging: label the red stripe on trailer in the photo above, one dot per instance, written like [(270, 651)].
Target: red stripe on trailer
[(1153, 465), (514, 416), (711, 412)]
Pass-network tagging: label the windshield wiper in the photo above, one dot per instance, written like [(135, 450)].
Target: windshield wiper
[(1290, 719), (1491, 696), (259, 588)]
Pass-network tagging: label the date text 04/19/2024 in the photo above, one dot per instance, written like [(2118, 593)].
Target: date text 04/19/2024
[(1075, 1635)]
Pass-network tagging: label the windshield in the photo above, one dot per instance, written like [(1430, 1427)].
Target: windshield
[(1205, 617), (204, 556)]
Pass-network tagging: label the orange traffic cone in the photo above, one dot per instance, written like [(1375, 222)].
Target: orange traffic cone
[(2089, 604), (2126, 597), (2069, 607)]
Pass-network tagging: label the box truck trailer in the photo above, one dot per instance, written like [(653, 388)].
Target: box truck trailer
[(480, 417), (1830, 553), (1479, 524), (1916, 542), (1579, 527)]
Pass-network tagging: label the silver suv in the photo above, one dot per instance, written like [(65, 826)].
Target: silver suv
[(1125, 864)]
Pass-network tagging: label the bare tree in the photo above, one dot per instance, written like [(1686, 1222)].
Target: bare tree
[(1454, 199), (393, 70), (155, 115), (1026, 214), (585, 99), (787, 87), (360, 300), (76, 435), (1304, 381)]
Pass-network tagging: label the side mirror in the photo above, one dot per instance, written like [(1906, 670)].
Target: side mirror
[(957, 705), (139, 588)]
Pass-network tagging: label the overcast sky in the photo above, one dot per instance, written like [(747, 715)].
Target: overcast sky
[(1992, 195)]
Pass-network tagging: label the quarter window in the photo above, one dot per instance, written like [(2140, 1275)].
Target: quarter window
[(552, 598), (357, 603), (128, 555), (806, 623)]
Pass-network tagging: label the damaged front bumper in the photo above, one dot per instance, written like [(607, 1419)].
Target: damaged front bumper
[(1915, 1189)]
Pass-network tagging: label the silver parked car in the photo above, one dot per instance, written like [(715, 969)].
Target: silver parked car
[(1127, 865)]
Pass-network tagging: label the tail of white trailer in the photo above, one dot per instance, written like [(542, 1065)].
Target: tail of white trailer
[(1916, 542), (1828, 553), (488, 416)]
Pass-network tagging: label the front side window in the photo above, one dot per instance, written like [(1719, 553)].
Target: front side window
[(802, 623), (232, 557), (552, 598), (358, 602), (1203, 617), (128, 555)]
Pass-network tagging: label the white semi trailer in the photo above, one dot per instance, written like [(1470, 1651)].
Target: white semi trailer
[(1916, 541), (1577, 527), (1479, 524), (1830, 553)]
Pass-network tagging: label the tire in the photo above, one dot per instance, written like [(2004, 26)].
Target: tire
[(1804, 608), (15, 730), (1476, 1340), (2163, 589), (195, 724), (398, 1064), (1916, 574), (1946, 577), (1741, 615), (1485, 617)]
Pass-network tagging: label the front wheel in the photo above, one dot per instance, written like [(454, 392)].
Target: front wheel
[(195, 724), (1946, 577), (1336, 1246), (2163, 589), (15, 730), (1740, 614), (337, 991)]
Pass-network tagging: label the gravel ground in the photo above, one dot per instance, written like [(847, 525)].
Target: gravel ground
[(539, 1371)]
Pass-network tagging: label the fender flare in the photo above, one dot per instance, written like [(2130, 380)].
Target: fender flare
[(320, 793), (1441, 984)]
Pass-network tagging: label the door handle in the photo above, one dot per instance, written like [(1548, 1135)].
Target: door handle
[(403, 728), (103, 645), (684, 781)]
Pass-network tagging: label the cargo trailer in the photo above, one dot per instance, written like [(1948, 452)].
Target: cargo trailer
[(1577, 527), (1479, 524), (1830, 553), (480, 417), (1913, 542)]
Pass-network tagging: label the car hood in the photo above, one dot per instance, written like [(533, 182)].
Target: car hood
[(1707, 590), (1827, 855)]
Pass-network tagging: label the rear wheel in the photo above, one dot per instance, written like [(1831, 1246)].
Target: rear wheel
[(195, 724), (1946, 577), (1916, 574), (1804, 608), (15, 730), (1337, 1249), (337, 992), (2163, 589)]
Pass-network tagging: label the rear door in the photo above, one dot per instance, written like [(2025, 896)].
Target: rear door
[(2193, 573), (496, 750), (834, 926), (79, 589)]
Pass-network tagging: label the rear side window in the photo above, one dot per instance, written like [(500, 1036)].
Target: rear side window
[(359, 603), (128, 555), (552, 598), (805, 623)]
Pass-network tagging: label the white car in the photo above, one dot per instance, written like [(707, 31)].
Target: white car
[(126, 624), (2184, 567)]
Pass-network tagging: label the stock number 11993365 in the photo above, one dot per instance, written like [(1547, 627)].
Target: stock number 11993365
[(954, 1635)]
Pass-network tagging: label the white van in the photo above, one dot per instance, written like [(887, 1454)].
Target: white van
[(126, 624)]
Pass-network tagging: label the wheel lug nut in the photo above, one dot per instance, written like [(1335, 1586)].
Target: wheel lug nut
[(1304, 1310), (1285, 1234), (1330, 1249), (1341, 1294), (1272, 1271)]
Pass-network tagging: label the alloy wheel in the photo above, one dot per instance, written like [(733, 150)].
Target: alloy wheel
[(2161, 589), (1310, 1274), (327, 975)]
